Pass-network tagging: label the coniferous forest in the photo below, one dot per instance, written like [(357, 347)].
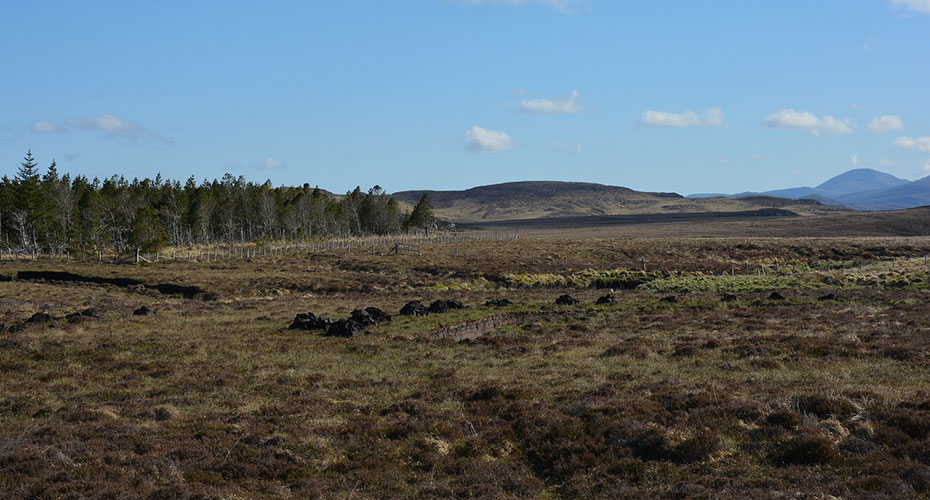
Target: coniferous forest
[(54, 213)]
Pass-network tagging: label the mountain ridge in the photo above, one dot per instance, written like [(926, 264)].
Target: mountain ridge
[(860, 189)]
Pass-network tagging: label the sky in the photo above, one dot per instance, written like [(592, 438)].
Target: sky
[(664, 95)]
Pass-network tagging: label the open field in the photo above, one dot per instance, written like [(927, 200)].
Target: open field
[(695, 383), (760, 223)]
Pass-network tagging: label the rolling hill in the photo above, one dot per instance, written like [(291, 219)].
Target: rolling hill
[(544, 199)]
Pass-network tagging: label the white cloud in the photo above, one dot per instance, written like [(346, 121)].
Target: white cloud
[(804, 120), (550, 106), (854, 159), (886, 163), (46, 127), (927, 167), (796, 172), (117, 128), (563, 6), (921, 144), (757, 157), (271, 164), (480, 140), (922, 6), (569, 148), (712, 117), (886, 123)]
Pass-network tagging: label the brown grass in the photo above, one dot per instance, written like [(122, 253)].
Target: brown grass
[(641, 399)]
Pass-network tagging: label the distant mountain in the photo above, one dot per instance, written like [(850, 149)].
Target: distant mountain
[(793, 193), (857, 181), (854, 189), (542, 199), (909, 195)]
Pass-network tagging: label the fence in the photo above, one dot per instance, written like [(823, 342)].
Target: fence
[(417, 245), (400, 248), (213, 253)]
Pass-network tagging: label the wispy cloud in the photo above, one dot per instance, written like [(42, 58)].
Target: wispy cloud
[(804, 120), (886, 123), (550, 106), (921, 144), (922, 6), (480, 140), (271, 163), (854, 159), (563, 6), (574, 148), (114, 127), (46, 127), (712, 117)]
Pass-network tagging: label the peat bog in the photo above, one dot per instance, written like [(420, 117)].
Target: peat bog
[(805, 382)]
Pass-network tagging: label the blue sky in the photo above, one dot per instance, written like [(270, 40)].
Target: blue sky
[(685, 96)]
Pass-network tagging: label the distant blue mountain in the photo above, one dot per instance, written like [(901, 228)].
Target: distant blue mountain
[(800, 192), (857, 181), (909, 195), (861, 188)]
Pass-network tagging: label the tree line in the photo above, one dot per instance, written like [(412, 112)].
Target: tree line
[(57, 213)]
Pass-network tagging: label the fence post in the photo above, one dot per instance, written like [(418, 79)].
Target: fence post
[(137, 255), (643, 263)]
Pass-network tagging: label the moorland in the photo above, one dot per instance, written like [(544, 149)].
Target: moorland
[(732, 366)]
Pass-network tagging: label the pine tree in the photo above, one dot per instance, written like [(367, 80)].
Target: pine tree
[(28, 201), (422, 215)]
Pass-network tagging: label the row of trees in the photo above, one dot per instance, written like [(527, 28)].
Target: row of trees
[(55, 213)]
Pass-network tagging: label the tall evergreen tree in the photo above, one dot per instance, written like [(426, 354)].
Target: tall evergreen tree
[(28, 201), (422, 215)]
